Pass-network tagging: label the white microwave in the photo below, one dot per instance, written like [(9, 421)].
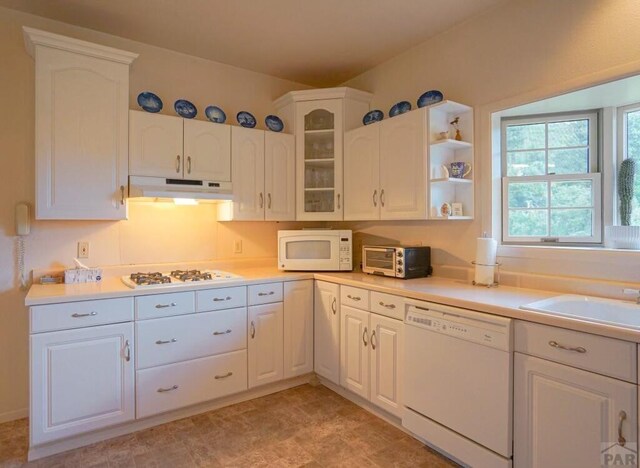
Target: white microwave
[(315, 250)]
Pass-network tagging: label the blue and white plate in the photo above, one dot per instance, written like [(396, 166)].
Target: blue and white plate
[(245, 119), (185, 109), (430, 97), (400, 108), (149, 102), (215, 114), (372, 117), (274, 123)]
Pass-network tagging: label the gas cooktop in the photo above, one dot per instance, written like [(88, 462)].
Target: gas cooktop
[(156, 279)]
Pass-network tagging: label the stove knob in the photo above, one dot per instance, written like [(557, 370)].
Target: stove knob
[(399, 262), (399, 270), (399, 254)]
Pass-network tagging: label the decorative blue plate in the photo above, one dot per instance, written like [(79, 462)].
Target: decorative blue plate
[(215, 114), (372, 117), (245, 119), (430, 97), (400, 108), (274, 123), (185, 109), (149, 102)]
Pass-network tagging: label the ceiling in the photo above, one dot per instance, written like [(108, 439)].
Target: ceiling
[(315, 42)]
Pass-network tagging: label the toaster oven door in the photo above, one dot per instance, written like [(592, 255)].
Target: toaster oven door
[(379, 261)]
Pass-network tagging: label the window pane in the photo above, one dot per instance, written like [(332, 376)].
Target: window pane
[(528, 195), (569, 133), (525, 136), (572, 223), (525, 163), (571, 193), (528, 223), (633, 135), (569, 161)]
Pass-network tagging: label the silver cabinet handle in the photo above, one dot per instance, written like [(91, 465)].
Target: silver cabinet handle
[(188, 164), (218, 299), (579, 349), (373, 335), (172, 340), (270, 293), (178, 164), (127, 351), (388, 306), (170, 389), (338, 201), (364, 336), (269, 200), (382, 197), (216, 333), (354, 298), (621, 440), (122, 195), (333, 306), (261, 200), (253, 330), (228, 374), (91, 314), (375, 198), (164, 306)]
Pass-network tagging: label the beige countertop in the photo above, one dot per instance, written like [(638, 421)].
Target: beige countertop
[(503, 300)]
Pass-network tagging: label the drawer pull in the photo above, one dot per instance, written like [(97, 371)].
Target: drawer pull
[(555, 344), (219, 299), (354, 298), (621, 440), (172, 340), (270, 293), (388, 306), (92, 314), (228, 374), (222, 333), (170, 389), (164, 306)]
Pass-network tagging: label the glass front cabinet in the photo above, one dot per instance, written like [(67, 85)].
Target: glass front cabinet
[(319, 119)]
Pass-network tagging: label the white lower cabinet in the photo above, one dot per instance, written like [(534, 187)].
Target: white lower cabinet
[(298, 328), (354, 350), (570, 417), (81, 380), (266, 344), (327, 331)]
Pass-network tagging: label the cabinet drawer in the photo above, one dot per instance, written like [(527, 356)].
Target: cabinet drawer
[(174, 339), (165, 305), (222, 298), (265, 293), (388, 305), (594, 353), (354, 297), (80, 314), (166, 388)]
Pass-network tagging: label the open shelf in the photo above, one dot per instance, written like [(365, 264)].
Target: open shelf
[(451, 144), (450, 218), (320, 189), (323, 130), (319, 162), (451, 180), (450, 107)]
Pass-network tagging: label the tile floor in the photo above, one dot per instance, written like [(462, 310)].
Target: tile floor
[(305, 426)]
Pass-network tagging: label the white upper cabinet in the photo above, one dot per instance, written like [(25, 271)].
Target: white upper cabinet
[(247, 173), (362, 173), (207, 151), (279, 177), (155, 145), (82, 96)]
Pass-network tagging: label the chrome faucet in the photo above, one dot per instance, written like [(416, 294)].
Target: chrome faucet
[(635, 292)]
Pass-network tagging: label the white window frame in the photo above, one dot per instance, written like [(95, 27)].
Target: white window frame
[(593, 175), (621, 152)]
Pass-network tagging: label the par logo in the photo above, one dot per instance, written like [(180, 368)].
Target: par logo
[(614, 454)]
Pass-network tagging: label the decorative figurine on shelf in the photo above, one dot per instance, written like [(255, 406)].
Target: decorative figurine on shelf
[(455, 122)]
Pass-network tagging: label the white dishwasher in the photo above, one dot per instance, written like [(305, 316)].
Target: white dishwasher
[(458, 382)]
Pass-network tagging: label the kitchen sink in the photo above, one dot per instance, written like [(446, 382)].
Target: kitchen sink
[(595, 309)]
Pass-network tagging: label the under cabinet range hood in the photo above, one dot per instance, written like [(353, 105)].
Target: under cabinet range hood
[(159, 187)]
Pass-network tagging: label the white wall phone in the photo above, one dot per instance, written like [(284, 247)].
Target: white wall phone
[(23, 227)]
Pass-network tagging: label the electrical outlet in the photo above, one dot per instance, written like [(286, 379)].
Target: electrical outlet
[(237, 246), (83, 249)]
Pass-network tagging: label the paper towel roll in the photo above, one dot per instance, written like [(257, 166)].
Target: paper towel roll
[(486, 249), (484, 274)]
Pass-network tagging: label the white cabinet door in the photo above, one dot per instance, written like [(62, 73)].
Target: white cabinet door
[(354, 350), (387, 346), (207, 151), (362, 173), (403, 166), (247, 162), (155, 145), (81, 136), (280, 177), (566, 417), (81, 380), (298, 328), (327, 331), (266, 354)]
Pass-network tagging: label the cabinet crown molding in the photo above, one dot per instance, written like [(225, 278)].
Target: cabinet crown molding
[(325, 93), (34, 37)]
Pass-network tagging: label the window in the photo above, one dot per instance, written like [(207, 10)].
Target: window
[(629, 145), (550, 180)]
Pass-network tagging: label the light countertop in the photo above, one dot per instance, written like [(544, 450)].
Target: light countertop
[(503, 300)]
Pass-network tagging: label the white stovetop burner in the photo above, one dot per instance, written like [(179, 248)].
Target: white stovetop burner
[(176, 278)]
